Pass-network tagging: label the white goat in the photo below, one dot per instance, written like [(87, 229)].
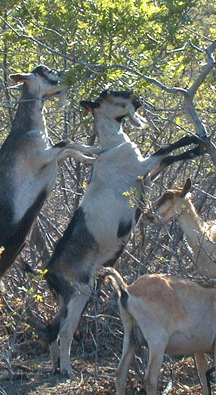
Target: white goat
[(177, 204), (101, 226), (28, 164), (174, 315)]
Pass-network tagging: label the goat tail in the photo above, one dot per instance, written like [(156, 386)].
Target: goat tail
[(116, 278)]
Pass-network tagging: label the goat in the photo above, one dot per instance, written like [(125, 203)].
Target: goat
[(171, 314), (177, 204), (28, 164), (101, 226)]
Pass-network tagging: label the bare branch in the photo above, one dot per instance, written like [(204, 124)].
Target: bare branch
[(207, 69), (194, 117), (149, 79), (189, 106)]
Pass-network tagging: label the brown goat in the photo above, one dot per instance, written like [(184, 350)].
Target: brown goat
[(177, 204), (174, 315)]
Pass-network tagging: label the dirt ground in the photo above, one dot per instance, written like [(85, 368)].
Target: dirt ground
[(25, 366), (32, 375)]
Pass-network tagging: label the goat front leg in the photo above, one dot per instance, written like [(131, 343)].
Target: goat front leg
[(59, 154), (169, 160), (85, 149), (71, 149), (184, 141), (157, 162), (71, 153), (202, 369)]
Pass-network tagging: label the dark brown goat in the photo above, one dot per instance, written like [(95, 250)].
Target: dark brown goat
[(28, 164)]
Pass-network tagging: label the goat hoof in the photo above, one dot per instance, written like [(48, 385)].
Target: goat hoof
[(211, 282), (56, 371), (210, 375), (142, 392), (67, 373)]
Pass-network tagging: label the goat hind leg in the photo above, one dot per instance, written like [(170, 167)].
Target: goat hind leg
[(156, 356), (55, 355), (75, 308), (202, 369), (53, 332), (127, 351)]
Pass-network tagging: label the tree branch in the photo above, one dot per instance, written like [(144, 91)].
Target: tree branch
[(188, 94), (189, 106)]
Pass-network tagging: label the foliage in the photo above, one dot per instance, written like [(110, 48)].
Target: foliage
[(89, 38)]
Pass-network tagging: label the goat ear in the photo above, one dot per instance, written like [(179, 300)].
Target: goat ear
[(89, 105), (105, 93), (186, 188), (18, 78)]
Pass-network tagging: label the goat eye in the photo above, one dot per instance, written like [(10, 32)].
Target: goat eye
[(123, 105)]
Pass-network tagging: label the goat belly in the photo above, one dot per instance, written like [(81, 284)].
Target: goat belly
[(187, 343), (109, 216), (76, 251)]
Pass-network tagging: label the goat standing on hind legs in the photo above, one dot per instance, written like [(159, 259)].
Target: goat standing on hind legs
[(171, 314), (28, 164), (177, 204), (101, 226)]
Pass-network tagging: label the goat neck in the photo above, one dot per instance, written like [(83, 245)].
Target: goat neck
[(191, 224), (110, 132), (29, 115), (198, 233)]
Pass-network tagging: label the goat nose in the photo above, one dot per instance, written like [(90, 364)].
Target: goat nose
[(60, 75), (136, 102)]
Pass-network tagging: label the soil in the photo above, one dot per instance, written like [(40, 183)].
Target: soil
[(25, 366)]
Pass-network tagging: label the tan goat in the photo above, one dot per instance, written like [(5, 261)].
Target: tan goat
[(177, 204), (174, 315)]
